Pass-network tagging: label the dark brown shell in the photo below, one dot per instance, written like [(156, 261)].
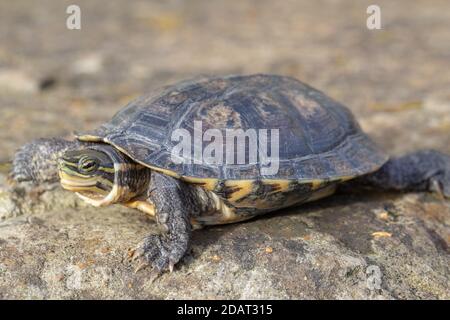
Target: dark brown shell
[(319, 138)]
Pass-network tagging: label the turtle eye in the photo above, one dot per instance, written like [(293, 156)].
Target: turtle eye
[(87, 165)]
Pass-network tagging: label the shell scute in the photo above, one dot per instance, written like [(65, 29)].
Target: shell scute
[(318, 137)]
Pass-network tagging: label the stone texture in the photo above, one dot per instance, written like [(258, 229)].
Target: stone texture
[(396, 80), (62, 248)]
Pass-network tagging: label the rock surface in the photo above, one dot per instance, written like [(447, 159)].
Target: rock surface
[(60, 248), (359, 245)]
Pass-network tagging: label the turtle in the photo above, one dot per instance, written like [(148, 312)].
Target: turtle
[(131, 159)]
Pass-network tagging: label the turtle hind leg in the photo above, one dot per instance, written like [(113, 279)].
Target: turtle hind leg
[(426, 170)]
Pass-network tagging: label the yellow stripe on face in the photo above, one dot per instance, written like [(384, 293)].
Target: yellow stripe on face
[(84, 180), (75, 168), (72, 183), (106, 169), (73, 180), (92, 190)]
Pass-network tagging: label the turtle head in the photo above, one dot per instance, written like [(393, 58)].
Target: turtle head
[(102, 175)]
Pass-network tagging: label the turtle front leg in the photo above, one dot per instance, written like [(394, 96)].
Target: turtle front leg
[(37, 160), (172, 201), (426, 170)]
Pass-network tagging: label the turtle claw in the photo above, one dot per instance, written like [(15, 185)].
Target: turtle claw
[(155, 251), (142, 265), (443, 192), (134, 254), (436, 188), (440, 183), (137, 255), (154, 274)]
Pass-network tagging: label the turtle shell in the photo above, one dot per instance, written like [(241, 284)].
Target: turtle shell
[(319, 138)]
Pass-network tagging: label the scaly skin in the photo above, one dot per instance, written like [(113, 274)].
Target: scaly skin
[(37, 161), (425, 170), (174, 205)]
